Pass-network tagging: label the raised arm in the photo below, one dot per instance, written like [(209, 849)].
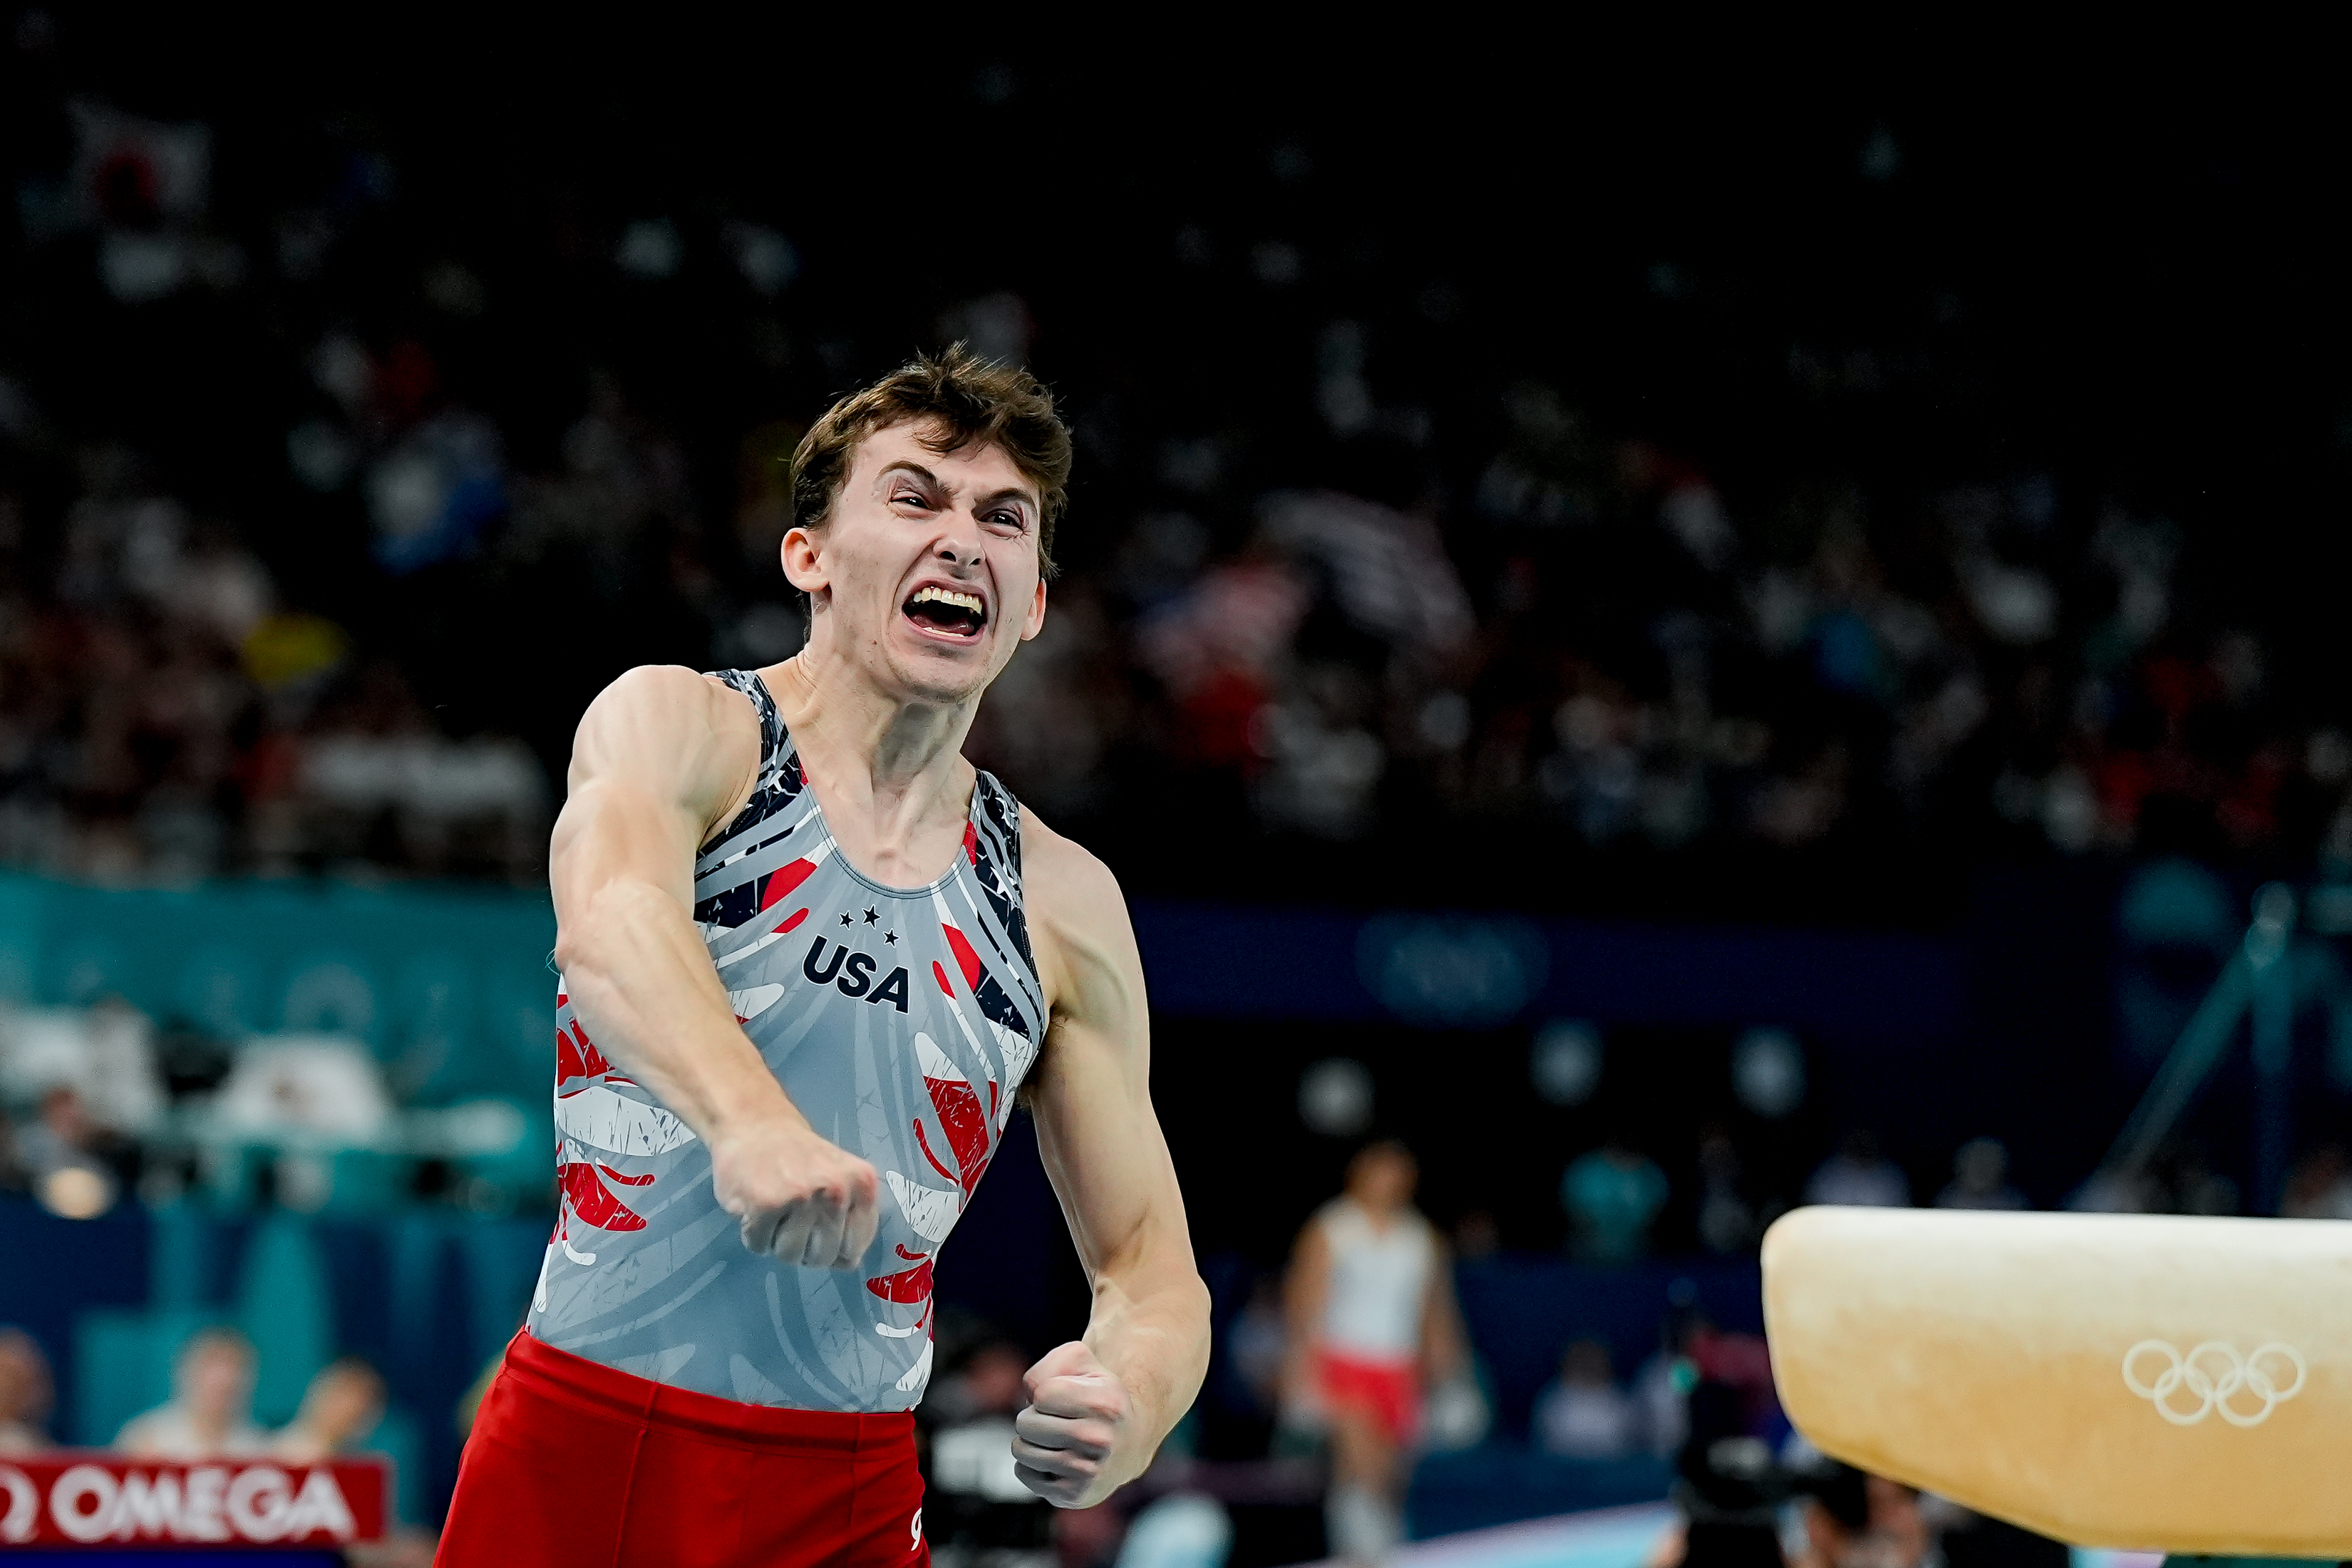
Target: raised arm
[(1099, 1406), (661, 756)]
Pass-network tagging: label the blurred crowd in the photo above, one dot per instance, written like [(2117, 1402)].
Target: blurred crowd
[(1594, 638), (99, 1103), (164, 717), (209, 1413), (288, 609), (1616, 1200)]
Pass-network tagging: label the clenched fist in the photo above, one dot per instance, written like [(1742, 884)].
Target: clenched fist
[(798, 1197), (1078, 1414)]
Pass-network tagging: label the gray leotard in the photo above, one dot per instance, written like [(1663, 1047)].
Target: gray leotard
[(899, 1021)]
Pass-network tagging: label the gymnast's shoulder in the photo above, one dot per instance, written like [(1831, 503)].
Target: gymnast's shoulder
[(1078, 926)]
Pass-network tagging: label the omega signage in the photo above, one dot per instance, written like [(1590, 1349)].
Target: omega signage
[(93, 1498)]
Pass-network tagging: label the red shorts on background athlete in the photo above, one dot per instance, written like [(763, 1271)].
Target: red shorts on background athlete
[(1387, 1391), (574, 1465)]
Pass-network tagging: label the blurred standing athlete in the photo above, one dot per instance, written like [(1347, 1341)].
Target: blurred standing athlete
[(1373, 1322), (809, 957)]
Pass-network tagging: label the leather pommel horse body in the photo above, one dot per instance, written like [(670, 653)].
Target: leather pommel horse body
[(2145, 1382)]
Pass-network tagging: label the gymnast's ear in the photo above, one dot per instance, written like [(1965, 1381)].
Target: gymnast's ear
[(803, 553), (2158, 1383)]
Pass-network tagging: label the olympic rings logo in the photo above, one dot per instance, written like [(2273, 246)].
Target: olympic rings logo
[(2217, 1378)]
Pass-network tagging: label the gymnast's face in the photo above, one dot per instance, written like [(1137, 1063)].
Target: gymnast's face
[(925, 572)]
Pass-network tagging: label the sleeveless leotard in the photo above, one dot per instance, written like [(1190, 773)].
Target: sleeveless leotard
[(900, 1020)]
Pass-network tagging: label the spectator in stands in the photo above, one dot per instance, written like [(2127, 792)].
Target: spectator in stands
[(1088, 1537), (1726, 1221), (2175, 1180), (974, 1504), (1476, 1234), (1583, 1414), (26, 1392), (69, 1158), (1968, 1540), (1661, 1400), (340, 1412), (1859, 1176), (210, 1413), (1612, 1195), (1740, 1362), (1853, 1520), (2116, 1192), (1726, 1489), (988, 1382), (2321, 1187), (1662, 1387), (1979, 1173), (1256, 1343)]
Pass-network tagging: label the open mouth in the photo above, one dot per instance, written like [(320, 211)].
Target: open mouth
[(946, 611)]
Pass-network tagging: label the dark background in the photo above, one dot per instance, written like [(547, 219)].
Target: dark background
[(1907, 304), (1883, 266)]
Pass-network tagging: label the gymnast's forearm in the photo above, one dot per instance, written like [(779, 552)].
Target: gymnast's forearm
[(1149, 1327)]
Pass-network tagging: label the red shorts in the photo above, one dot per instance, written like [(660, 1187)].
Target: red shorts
[(1387, 1391), (574, 1464)]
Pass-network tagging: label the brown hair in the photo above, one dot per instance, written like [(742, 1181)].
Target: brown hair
[(967, 401)]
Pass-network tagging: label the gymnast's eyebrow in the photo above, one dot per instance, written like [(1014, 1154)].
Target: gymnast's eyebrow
[(907, 466), (1022, 493)]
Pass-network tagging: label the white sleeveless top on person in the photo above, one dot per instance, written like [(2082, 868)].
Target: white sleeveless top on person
[(1379, 1281)]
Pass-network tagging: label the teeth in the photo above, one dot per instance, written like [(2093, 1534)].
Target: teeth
[(949, 596)]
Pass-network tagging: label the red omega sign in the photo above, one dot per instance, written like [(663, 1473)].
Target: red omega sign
[(70, 1498)]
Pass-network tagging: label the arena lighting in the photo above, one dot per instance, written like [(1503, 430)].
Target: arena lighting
[(1768, 1072), (1566, 1061), (1335, 1097), (76, 1192)]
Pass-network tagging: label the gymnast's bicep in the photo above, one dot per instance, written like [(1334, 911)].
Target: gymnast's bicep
[(1091, 1094)]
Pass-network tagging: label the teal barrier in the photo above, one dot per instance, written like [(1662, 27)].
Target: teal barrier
[(448, 986)]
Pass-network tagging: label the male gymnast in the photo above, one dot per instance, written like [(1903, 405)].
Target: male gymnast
[(810, 956)]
